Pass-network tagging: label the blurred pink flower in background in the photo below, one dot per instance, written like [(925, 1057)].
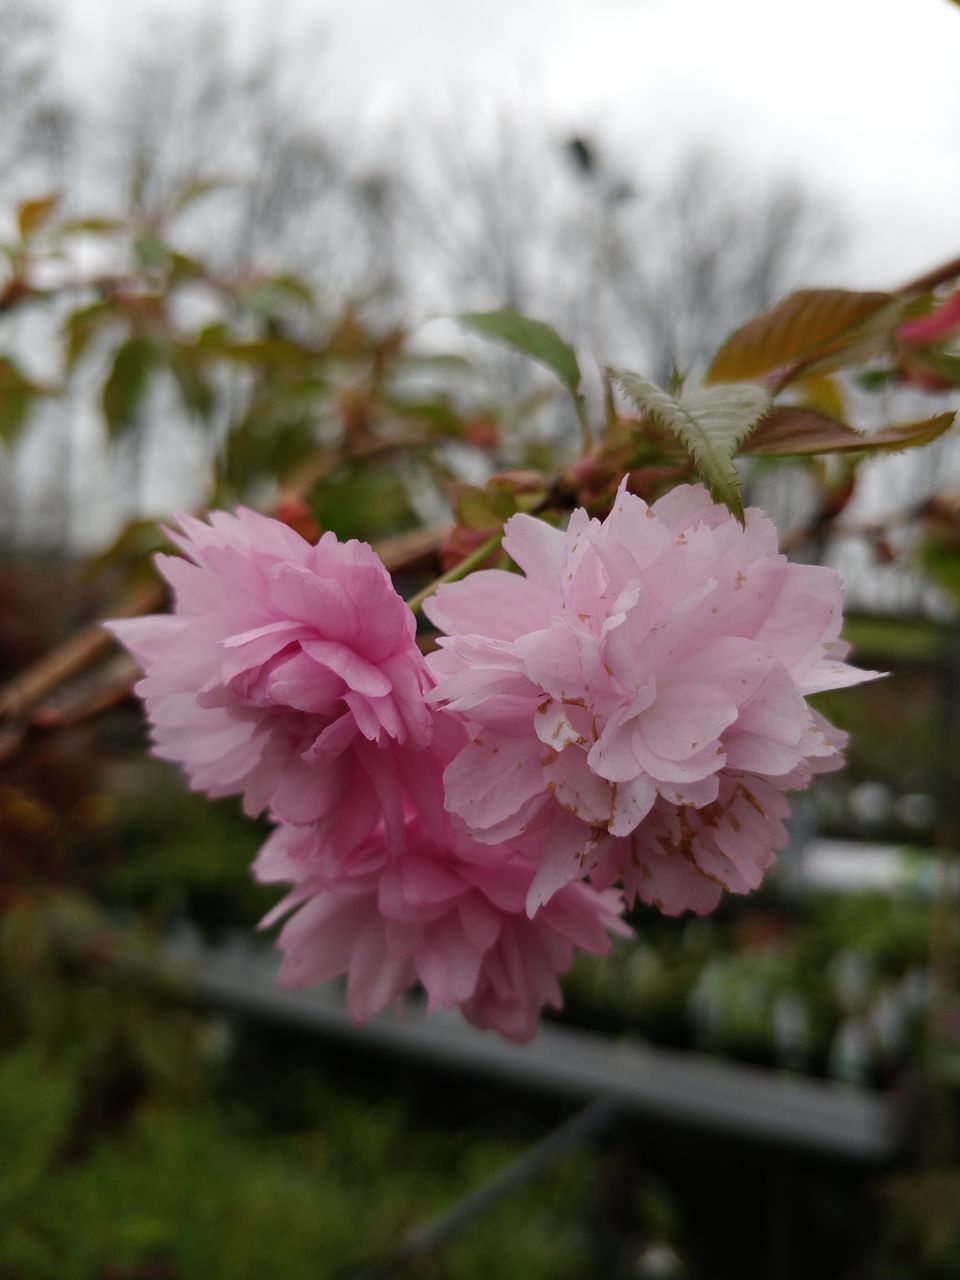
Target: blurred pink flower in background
[(940, 323), (638, 694)]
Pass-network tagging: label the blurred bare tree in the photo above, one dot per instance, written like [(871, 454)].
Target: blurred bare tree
[(696, 257), (657, 269), (287, 189), (37, 129), (477, 213)]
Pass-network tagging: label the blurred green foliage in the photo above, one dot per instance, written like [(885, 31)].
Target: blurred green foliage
[(141, 1139), (827, 985)]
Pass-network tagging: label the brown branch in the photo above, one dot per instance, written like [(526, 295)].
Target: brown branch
[(410, 550), (101, 695), (22, 718), (72, 657), (830, 526), (322, 463)]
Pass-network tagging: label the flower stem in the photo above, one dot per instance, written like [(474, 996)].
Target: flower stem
[(583, 417), (467, 565)]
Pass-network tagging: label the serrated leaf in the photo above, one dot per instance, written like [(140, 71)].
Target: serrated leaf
[(800, 326), (710, 424), (126, 385), (790, 431), (32, 214), (531, 338)]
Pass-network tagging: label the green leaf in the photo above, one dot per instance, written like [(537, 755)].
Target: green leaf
[(260, 446), (477, 508), (793, 430), (91, 226), (876, 379), (126, 385), (945, 364), (710, 424), (184, 269), (188, 373), (32, 214), (151, 251), (295, 288), (437, 416), (803, 324), (531, 338), (267, 297), (37, 1104), (940, 561), (363, 501), (83, 325), (17, 397)]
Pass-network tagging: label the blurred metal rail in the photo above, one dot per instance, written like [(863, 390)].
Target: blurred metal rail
[(582, 1127), (791, 1113)]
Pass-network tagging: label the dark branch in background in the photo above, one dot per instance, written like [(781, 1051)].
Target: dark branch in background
[(26, 709)]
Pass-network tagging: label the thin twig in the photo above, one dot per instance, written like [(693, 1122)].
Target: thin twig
[(943, 274), (467, 565)]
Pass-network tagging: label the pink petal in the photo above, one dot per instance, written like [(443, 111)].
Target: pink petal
[(490, 603)]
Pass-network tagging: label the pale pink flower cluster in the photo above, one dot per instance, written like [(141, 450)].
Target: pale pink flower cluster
[(636, 701), (289, 674), (629, 712)]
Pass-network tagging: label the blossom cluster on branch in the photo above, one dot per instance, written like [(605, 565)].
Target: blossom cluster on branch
[(618, 721)]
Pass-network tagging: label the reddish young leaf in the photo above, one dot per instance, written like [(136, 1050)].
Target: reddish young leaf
[(791, 430)]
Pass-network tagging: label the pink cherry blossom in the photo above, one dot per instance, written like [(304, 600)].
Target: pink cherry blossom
[(636, 692), (450, 917), (288, 673)]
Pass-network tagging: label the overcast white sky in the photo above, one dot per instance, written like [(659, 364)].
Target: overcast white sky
[(860, 96)]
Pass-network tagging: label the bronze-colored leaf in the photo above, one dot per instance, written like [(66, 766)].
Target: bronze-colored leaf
[(801, 326), (32, 214)]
